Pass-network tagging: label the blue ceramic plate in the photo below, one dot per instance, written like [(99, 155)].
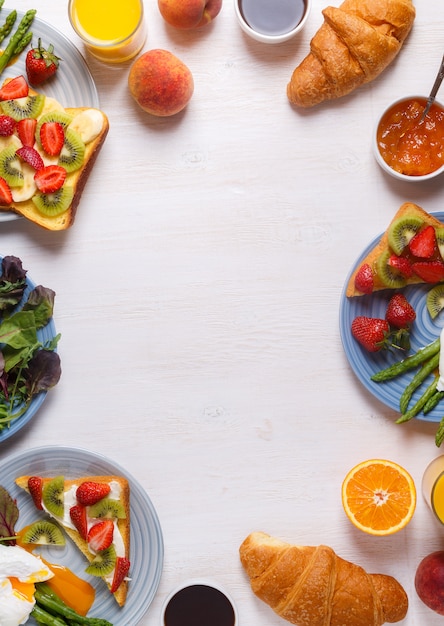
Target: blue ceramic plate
[(44, 335), (365, 364), (146, 553), (73, 85)]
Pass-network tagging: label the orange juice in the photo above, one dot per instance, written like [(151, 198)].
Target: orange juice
[(433, 487), (111, 30)]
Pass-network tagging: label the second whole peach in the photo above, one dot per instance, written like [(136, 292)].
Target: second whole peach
[(189, 14)]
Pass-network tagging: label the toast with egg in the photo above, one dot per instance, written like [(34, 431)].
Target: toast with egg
[(79, 505), (84, 132), (410, 251)]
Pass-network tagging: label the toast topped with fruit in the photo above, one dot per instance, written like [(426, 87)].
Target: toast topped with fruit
[(46, 154), (411, 251), (94, 511)]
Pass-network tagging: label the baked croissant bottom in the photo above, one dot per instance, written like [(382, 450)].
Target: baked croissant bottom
[(356, 42), (312, 586)]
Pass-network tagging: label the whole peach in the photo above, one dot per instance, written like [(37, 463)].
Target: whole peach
[(160, 83), (187, 14), (429, 581)]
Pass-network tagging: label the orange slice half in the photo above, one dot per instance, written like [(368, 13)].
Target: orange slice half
[(379, 497)]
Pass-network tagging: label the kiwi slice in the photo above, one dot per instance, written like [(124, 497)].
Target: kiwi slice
[(103, 563), (435, 300), (439, 232), (10, 167), (402, 231), (20, 108), (53, 204), (107, 508), (73, 151), (388, 276), (52, 495), (44, 533)]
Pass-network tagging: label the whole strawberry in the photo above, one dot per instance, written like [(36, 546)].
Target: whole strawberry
[(400, 312), (41, 64), (371, 332)]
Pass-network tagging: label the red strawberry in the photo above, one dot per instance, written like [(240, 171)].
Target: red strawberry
[(41, 64), (31, 156), (364, 279), (52, 137), (50, 178), (371, 332), (26, 131), (16, 88), (400, 312), (90, 492), (423, 244), (5, 193), (35, 486), (7, 125), (401, 265), (78, 517), (429, 271), (100, 535), (121, 570)]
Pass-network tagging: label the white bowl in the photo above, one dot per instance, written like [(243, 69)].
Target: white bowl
[(279, 37), (386, 166), (232, 620)]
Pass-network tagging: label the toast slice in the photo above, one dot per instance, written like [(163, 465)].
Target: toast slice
[(91, 127), (70, 496), (394, 261)]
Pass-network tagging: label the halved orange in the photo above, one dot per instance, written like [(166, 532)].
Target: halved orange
[(379, 496)]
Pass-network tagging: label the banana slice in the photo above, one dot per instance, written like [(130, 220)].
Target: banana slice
[(51, 104), (29, 188), (88, 124)]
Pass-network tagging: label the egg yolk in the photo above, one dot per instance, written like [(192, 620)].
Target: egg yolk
[(24, 589)]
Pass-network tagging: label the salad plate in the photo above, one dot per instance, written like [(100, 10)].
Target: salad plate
[(146, 552), (363, 363), (44, 335), (73, 85)]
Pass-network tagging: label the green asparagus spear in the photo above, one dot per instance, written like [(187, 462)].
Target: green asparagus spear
[(14, 41), (420, 403), (23, 43), (46, 619), (7, 26), (401, 367), (52, 603), (2, 2), (433, 401), (439, 437), (426, 369)]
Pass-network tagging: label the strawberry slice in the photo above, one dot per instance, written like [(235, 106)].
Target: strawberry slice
[(50, 178), (429, 271), (100, 535), (77, 513), (364, 279), (5, 193), (90, 492), (26, 131), (35, 486), (121, 570), (423, 244), (7, 125), (401, 265), (16, 88), (52, 137), (30, 156)]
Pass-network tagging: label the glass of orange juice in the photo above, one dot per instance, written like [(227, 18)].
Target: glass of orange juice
[(113, 31), (433, 487)]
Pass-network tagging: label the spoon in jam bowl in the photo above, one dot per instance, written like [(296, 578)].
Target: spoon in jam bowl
[(436, 86)]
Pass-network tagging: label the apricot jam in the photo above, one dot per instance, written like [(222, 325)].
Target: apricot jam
[(407, 145)]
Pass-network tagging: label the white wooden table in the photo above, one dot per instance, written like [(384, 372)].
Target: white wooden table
[(198, 295)]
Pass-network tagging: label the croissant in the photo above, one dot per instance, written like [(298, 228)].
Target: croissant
[(356, 42), (312, 586)]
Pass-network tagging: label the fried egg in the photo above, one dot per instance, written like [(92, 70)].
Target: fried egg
[(19, 571)]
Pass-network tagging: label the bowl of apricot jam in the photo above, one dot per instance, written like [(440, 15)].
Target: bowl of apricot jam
[(405, 145)]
